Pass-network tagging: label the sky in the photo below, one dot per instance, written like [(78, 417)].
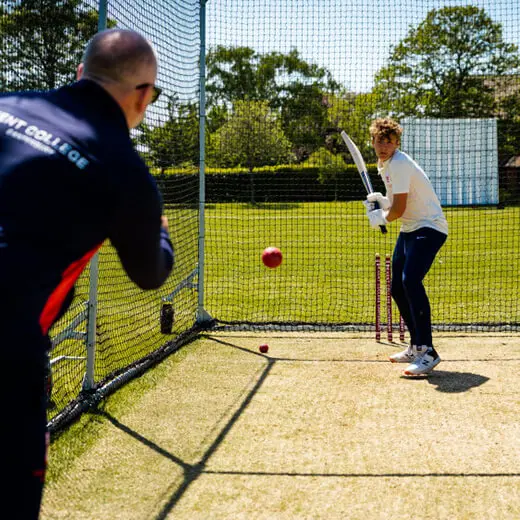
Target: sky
[(351, 38), (173, 28)]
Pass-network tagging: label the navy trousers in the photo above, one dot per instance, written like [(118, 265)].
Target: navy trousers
[(412, 258), (23, 436)]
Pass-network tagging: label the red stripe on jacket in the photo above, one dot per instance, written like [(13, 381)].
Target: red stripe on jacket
[(56, 299)]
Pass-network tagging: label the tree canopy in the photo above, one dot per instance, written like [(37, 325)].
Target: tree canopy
[(263, 109), (240, 73), (440, 68), (252, 137), (42, 42), (289, 84), (174, 143)]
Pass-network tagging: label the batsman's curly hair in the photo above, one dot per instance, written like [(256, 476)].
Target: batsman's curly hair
[(384, 128)]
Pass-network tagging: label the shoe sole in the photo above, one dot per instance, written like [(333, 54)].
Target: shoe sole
[(424, 373), (401, 361)]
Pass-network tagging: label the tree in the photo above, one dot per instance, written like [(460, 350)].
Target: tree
[(304, 116), (176, 143), (439, 68), (353, 113), (216, 116), (509, 127), (252, 137), (42, 42), (327, 162), (240, 73), (290, 85)]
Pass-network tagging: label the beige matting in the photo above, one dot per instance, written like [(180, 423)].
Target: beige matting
[(320, 427)]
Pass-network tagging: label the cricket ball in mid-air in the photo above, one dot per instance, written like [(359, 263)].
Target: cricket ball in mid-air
[(272, 257), (263, 348)]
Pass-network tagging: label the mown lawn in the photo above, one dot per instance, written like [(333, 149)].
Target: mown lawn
[(327, 276), (328, 272)]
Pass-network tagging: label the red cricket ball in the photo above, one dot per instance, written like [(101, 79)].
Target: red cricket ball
[(272, 257), (263, 348)]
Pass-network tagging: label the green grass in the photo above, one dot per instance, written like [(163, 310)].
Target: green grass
[(327, 276), (328, 270), (70, 443), (128, 326)]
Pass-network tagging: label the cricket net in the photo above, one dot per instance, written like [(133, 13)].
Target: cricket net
[(245, 146), (282, 79)]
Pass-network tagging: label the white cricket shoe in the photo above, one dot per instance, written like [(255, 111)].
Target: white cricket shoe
[(405, 356), (427, 359)]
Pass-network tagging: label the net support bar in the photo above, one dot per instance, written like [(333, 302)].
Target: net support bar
[(88, 381), (202, 315)]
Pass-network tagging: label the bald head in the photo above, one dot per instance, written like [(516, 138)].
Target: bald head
[(119, 55), (124, 63)]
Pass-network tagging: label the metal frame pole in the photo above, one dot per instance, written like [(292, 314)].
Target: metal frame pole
[(102, 16), (202, 315), (89, 381)]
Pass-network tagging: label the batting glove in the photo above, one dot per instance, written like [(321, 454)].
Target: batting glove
[(369, 206), (384, 202), (377, 218)]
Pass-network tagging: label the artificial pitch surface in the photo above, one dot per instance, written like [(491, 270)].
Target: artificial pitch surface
[(322, 426)]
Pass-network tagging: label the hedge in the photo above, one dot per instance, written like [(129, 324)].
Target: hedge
[(269, 184), (290, 183)]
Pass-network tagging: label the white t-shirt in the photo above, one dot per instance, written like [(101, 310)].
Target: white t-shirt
[(401, 174)]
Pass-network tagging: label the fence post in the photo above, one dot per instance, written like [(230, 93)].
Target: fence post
[(202, 315), (88, 381), (102, 15)]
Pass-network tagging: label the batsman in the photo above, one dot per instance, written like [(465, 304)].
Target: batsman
[(410, 198)]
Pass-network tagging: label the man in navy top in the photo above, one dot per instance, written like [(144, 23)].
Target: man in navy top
[(69, 179)]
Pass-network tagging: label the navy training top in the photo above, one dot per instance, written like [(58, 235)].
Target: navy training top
[(69, 179)]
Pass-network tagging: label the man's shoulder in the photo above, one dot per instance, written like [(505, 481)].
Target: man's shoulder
[(23, 98), (65, 119), (41, 107)]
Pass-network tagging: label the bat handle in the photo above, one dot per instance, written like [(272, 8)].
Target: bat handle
[(382, 228)]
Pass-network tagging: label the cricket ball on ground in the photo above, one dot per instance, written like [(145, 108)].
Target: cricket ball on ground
[(272, 257), (263, 348)]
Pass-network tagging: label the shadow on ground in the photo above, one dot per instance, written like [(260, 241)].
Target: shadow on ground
[(455, 382)]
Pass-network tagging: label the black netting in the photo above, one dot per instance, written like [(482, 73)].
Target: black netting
[(42, 44), (283, 78)]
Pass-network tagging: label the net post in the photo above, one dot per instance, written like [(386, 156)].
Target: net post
[(88, 380), (202, 316), (102, 14)]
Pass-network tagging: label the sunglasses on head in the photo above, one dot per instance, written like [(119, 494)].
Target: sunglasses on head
[(156, 90)]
